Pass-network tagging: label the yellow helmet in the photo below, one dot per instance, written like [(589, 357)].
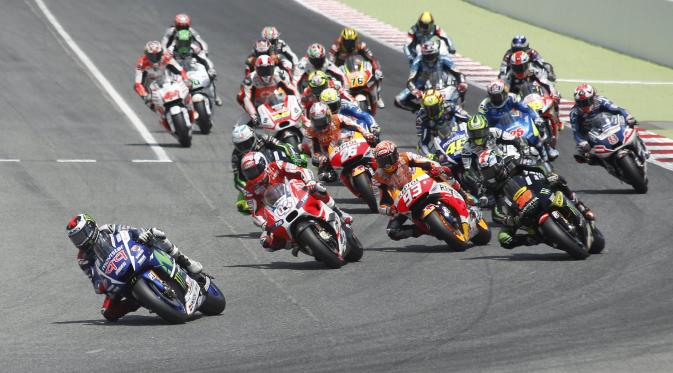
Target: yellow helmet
[(433, 102), (330, 96), (425, 21), (349, 34), (317, 79)]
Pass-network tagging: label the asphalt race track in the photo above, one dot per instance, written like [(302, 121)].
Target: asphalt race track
[(408, 306)]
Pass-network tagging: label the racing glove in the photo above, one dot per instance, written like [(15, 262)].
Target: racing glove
[(462, 87), (149, 237), (631, 121), (212, 73), (378, 74)]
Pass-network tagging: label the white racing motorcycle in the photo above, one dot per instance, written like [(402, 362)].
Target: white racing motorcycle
[(203, 94), (171, 94), (281, 117)]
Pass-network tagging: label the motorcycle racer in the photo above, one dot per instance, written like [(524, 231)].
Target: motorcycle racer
[(434, 113), (184, 48), (90, 239), (325, 130), (393, 172), (262, 82), (424, 30), (339, 105), (316, 60), (182, 22), (279, 46), (587, 104), (520, 43), (424, 67), (347, 44), (246, 140), (319, 81), (521, 71), (260, 174), (152, 66)]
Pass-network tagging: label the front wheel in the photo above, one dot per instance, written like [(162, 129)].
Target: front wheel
[(181, 130), (355, 249), (362, 183), (441, 229), (310, 237), (633, 175), (163, 303), (205, 123), (483, 235), (564, 241), (214, 303)]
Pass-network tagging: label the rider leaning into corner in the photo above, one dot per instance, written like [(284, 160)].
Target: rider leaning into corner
[(182, 22), (587, 104), (434, 113), (85, 234), (152, 66), (186, 47), (393, 172), (339, 105), (422, 31), (346, 45), (260, 174)]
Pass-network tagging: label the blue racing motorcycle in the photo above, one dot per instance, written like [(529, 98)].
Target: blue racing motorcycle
[(127, 268)]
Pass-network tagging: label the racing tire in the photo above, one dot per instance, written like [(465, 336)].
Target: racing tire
[(214, 303), (599, 242), (362, 183), (204, 122), (355, 248), (483, 237), (151, 298), (309, 237), (439, 227), (182, 131), (632, 174), (554, 233)]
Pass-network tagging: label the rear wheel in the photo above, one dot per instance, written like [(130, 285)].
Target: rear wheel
[(204, 121), (321, 251), (555, 233), (162, 303), (363, 184), (181, 130), (441, 229), (632, 174)]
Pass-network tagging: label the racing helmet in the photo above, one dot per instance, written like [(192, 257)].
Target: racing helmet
[(387, 156), (316, 55), (265, 67), (519, 62), (519, 43), (497, 92), (182, 21), (349, 39), (82, 231), (330, 96), (271, 34), (244, 138), (433, 103), (318, 81), (253, 168), (262, 46), (320, 116), (154, 51), (477, 130), (430, 50), (584, 97), (425, 22), (183, 43)]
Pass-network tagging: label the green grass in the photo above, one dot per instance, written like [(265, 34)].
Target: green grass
[(484, 36)]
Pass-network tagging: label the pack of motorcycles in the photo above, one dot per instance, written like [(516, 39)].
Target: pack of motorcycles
[(438, 210)]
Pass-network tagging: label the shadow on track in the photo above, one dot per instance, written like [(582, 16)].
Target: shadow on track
[(249, 235), (527, 257), (606, 191), (359, 210), (129, 320), (353, 200), (412, 249), (302, 266)]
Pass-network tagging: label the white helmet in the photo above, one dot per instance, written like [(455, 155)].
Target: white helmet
[(244, 138)]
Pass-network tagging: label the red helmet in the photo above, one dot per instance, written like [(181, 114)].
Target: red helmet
[(497, 92), (182, 21), (519, 62), (264, 66), (584, 97), (320, 116), (154, 51), (387, 156), (253, 168)]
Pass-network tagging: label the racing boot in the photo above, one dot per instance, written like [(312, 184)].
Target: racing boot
[(345, 217), (379, 103), (583, 209), (404, 232), (191, 266), (218, 101)]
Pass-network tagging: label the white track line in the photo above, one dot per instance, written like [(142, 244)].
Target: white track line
[(10, 160), (632, 82), (76, 160), (149, 161), (116, 97)]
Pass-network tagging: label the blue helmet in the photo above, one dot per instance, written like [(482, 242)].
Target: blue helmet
[(519, 42)]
